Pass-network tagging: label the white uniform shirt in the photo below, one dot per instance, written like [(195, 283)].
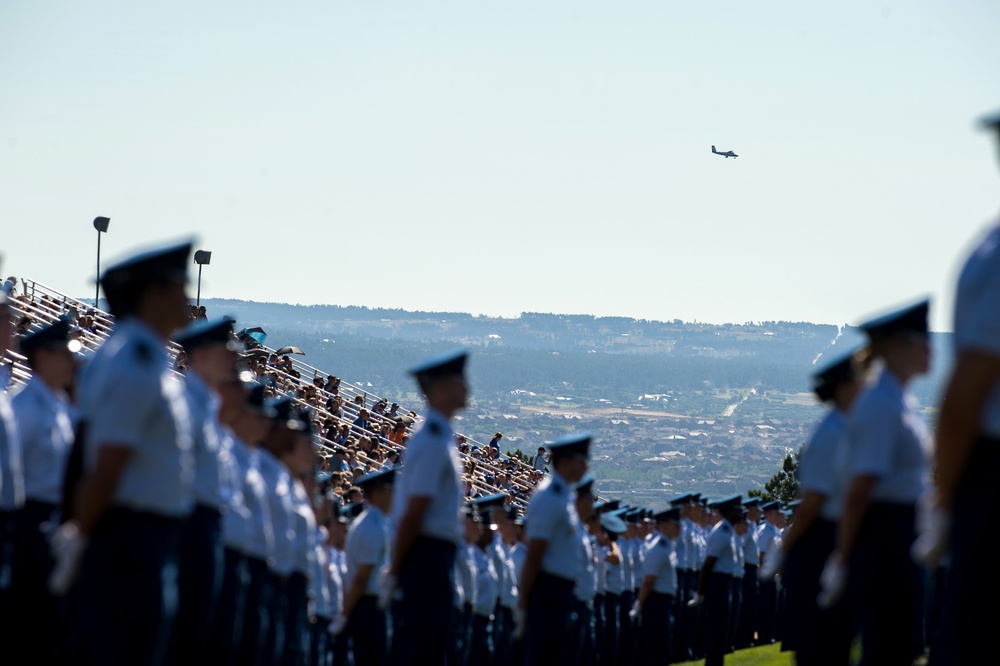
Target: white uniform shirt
[(751, 549), (586, 581), (320, 601), (249, 529), (367, 543), (304, 526), (431, 468), (11, 475), (822, 463), (129, 398), (661, 562), (487, 589), (721, 544), (504, 567), (518, 553), (465, 579), (552, 517), (977, 315), (281, 510), (888, 440), (204, 406), (335, 570), (767, 534), (45, 427), (614, 577)]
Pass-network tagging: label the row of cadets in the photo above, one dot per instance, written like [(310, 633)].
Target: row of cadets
[(819, 635), (364, 623), (654, 608), (465, 587), (426, 506), (586, 580), (336, 570), (687, 575), (715, 585), (968, 443), (323, 606), (768, 546), (301, 464), (503, 532), (211, 351), (274, 453), (247, 534), (545, 602), (489, 577), (630, 572), (597, 540), (124, 531), (612, 527), (45, 426), (747, 619), (11, 481), (887, 473)]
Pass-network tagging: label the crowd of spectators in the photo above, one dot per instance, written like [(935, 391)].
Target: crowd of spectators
[(357, 432)]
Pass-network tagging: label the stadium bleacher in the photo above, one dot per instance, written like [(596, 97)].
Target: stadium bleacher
[(303, 382)]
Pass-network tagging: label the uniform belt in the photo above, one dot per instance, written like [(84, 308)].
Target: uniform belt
[(558, 581), (664, 595)]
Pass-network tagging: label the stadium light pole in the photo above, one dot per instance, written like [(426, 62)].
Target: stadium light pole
[(202, 258), (101, 224)]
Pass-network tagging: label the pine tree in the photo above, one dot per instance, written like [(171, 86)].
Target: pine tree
[(783, 486)]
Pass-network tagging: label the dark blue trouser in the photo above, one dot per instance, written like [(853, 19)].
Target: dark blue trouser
[(274, 637), (321, 643), (626, 634), (6, 564), (609, 655), (598, 628), (656, 629), (583, 638), (227, 630), (735, 610), (368, 633), (683, 626), (548, 629), (199, 582), (971, 615), (887, 586), (463, 633), (296, 618), (503, 627), (820, 637), (128, 577), (748, 607), (718, 597), (767, 609), (36, 610), (482, 641), (256, 613), (425, 628)]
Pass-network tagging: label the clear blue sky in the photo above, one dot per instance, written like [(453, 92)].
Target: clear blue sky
[(500, 157)]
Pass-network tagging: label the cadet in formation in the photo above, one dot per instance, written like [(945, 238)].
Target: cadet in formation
[(887, 472), (426, 506), (545, 603)]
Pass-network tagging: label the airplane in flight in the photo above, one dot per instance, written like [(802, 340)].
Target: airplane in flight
[(728, 153)]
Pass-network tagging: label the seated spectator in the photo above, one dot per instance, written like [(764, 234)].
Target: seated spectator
[(353, 495), (332, 385), (394, 410), (363, 421), (379, 407)]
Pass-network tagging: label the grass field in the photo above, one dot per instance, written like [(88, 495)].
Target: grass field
[(769, 655)]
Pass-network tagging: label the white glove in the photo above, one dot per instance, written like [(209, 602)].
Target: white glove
[(386, 591), (636, 611), (932, 543), (696, 600), (832, 582), (67, 548), (337, 624), (519, 623), (774, 564)]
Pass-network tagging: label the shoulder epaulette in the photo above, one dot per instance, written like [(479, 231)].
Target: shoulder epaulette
[(434, 428)]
